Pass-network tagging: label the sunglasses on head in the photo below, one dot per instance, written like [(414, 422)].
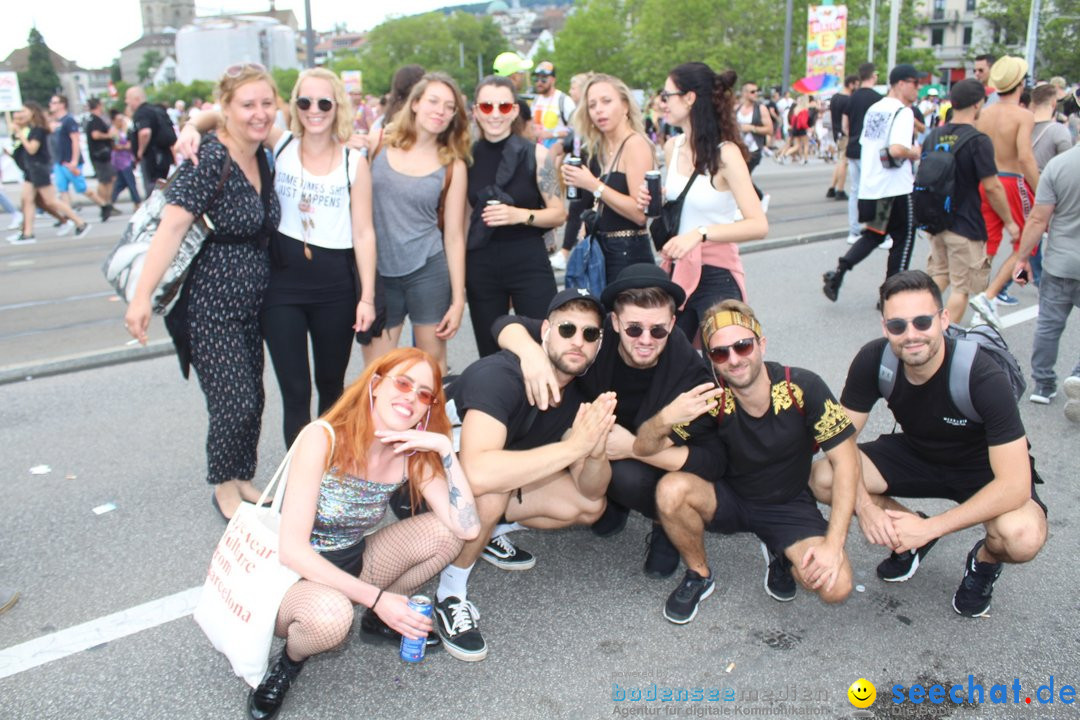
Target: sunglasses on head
[(235, 71), (634, 330), (324, 104), (406, 385), (590, 333), (721, 353), (504, 108), (897, 326)]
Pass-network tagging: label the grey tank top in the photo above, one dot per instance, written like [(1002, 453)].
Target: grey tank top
[(405, 214)]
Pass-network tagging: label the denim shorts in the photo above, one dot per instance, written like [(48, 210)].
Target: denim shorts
[(423, 294)]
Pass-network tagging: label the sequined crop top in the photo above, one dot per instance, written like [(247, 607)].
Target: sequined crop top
[(348, 507)]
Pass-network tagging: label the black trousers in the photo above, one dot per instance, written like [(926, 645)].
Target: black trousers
[(503, 274), (900, 226)]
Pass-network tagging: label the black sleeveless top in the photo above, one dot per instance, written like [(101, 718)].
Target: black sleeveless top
[(519, 189), (611, 221)]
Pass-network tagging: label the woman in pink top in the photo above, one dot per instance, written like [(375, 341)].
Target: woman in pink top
[(721, 208)]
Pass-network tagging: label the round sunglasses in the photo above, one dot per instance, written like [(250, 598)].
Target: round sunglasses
[(590, 333), (487, 108), (897, 326), (722, 353), (634, 330), (324, 104)]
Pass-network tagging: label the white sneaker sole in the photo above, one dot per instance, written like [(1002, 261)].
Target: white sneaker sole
[(765, 582), (693, 615), (509, 565), (907, 576), (984, 613), (456, 652)]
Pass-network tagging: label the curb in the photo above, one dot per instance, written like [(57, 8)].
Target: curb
[(159, 348)]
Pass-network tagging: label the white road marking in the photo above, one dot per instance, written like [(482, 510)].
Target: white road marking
[(61, 644), (1015, 318)]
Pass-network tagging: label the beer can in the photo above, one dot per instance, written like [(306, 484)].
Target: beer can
[(656, 198), (571, 190), (413, 650)]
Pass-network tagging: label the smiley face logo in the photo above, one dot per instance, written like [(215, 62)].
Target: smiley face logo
[(862, 693)]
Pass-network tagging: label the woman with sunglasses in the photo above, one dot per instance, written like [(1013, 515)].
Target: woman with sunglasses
[(390, 429), (215, 323), (613, 136), (721, 208), (322, 270), (418, 175), (514, 197)]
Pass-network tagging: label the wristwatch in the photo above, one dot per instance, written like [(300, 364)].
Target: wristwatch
[(599, 190), (704, 232)]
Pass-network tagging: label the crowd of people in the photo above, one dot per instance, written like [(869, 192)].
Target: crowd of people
[(649, 394)]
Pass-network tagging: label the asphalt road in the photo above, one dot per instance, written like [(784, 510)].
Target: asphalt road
[(567, 637)]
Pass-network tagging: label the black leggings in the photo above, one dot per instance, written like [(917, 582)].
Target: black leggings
[(286, 329)]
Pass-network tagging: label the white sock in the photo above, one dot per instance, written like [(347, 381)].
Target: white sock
[(453, 581), (504, 528)]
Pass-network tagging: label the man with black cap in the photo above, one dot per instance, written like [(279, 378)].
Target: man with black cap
[(647, 362), (958, 253), (551, 108), (886, 179), (540, 469), (1009, 126), (770, 419)]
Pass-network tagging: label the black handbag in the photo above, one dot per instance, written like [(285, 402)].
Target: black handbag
[(663, 228)]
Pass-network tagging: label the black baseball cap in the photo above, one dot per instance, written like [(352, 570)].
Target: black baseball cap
[(966, 93), (905, 71), (569, 295)]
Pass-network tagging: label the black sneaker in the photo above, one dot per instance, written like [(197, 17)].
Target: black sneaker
[(682, 605), (457, 621), (372, 624), (502, 553), (661, 557), (841, 195), (81, 232), (779, 582), (972, 598), (265, 700), (833, 280), (831, 192), (612, 521), (899, 567)]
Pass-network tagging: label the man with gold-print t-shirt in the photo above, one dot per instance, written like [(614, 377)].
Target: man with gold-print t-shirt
[(771, 419)]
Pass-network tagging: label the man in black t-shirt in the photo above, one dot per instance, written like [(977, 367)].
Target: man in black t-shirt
[(958, 255), (770, 420), (542, 470), (647, 361), (153, 156), (852, 124), (837, 108), (983, 465), (99, 140)]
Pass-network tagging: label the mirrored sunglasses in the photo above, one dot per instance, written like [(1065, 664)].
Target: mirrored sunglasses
[(504, 108)]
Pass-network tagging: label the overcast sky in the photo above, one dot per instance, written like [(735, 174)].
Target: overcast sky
[(92, 32)]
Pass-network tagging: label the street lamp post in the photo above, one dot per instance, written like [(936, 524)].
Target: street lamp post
[(786, 79), (309, 35)]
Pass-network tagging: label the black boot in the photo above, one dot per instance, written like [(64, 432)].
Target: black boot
[(833, 280), (265, 700)]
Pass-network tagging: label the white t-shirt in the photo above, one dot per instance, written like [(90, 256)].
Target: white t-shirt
[(330, 211), (553, 113), (745, 118), (875, 180)]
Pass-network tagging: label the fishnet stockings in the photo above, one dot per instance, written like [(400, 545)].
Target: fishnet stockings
[(399, 558)]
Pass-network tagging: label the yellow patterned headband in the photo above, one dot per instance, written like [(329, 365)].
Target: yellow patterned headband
[(723, 319)]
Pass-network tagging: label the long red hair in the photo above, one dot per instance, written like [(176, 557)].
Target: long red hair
[(354, 427)]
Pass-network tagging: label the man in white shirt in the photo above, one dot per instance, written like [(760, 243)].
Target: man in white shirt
[(552, 109), (886, 179)]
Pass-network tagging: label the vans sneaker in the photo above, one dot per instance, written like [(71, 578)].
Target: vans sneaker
[(502, 553), (457, 621)]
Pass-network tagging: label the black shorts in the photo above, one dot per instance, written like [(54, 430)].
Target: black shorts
[(908, 475), (778, 525), (104, 170), (350, 559), (38, 175)]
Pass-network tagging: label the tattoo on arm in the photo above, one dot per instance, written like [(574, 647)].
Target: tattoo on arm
[(467, 516), (546, 179)]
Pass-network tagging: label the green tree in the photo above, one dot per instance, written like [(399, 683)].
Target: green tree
[(150, 60), (39, 81), (114, 71), (596, 38), (1059, 33), (284, 79)]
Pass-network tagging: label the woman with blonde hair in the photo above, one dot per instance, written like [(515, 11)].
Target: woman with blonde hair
[(418, 175), (322, 270), (613, 136), (389, 429), (215, 323)]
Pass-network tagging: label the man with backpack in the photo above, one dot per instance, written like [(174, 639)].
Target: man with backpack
[(957, 159), (154, 136), (976, 456), (552, 109)]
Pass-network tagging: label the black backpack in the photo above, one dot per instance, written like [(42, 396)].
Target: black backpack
[(934, 195), (979, 338), (164, 136)]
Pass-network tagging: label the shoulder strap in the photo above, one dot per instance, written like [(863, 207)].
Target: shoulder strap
[(962, 138), (887, 370), (281, 476), (282, 148), (960, 378), (1043, 132), (562, 108)]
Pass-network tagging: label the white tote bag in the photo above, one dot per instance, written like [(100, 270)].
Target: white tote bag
[(246, 580)]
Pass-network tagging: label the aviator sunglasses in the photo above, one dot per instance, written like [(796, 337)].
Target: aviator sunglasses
[(405, 385), (504, 108), (659, 332), (590, 333), (721, 353), (897, 326), (324, 104)]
